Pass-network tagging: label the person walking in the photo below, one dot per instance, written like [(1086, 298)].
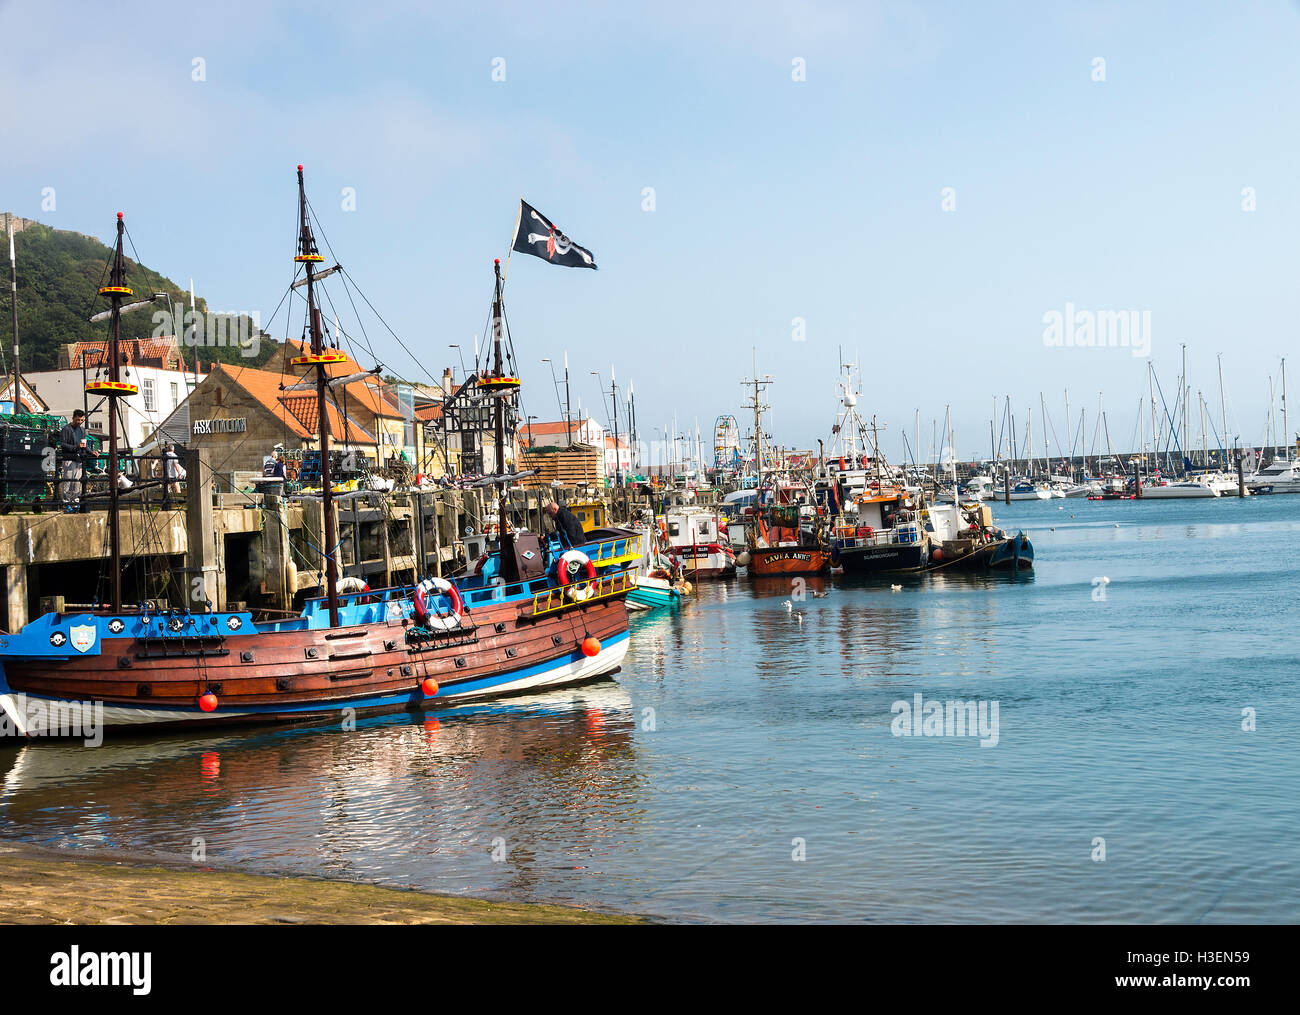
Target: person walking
[(72, 448), (173, 471)]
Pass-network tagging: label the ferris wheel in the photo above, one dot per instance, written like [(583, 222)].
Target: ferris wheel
[(726, 443)]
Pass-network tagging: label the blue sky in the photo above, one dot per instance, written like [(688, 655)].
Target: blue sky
[(775, 199)]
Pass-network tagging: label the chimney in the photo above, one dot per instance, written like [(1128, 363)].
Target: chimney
[(446, 380)]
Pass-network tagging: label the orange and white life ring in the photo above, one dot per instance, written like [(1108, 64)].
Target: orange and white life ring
[(420, 604), (577, 574)]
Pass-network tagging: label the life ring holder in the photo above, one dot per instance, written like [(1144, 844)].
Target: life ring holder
[(437, 621)]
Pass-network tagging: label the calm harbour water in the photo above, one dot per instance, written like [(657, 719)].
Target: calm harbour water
[(738, 727)]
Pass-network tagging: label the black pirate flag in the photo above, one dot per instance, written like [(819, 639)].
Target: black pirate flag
[(536, 234)]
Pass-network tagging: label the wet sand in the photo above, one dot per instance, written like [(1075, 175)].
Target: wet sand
[(47, 887)]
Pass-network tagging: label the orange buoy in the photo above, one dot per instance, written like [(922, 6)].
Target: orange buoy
[(590, 646), (429, 686), (208, 701)]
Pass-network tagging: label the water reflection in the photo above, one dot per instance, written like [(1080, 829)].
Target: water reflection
[(394, 790)]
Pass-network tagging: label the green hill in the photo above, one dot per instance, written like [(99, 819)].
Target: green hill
[(59, 275)]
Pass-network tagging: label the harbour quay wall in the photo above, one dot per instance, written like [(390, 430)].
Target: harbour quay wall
[(235, 549)]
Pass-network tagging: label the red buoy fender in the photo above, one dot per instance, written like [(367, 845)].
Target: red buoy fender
[(420, 605)]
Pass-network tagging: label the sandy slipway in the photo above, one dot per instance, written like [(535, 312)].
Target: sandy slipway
[(44, 887)]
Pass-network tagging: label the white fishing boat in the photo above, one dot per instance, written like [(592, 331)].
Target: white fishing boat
[(698, 538)]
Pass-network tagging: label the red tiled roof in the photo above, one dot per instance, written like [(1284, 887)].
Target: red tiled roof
[(160, 352), (297, 410), (364, 393)]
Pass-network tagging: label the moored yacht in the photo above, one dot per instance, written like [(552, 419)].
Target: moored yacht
[(1282, 476)]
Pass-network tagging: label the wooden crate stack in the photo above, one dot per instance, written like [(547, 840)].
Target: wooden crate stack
[(571, 466)]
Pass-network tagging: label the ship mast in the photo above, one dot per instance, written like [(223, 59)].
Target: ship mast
[(116, 291), (318, 358), (111, 389), (13, 283), (503, 386)]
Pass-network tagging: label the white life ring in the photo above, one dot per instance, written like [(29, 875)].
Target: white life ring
[(434, 586), (350, 584), (567, 569)]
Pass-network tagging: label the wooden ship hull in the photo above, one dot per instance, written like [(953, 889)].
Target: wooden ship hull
[(141, 673), (777, 561)]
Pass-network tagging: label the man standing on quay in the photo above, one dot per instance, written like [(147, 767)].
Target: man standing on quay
[(72, 448)]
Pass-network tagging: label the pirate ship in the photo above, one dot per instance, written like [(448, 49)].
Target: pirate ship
[(347, 653)]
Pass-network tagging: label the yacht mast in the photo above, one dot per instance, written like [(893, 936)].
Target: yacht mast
[(1182, 397), (1223, 413), (1286, 430), (1069, 441)]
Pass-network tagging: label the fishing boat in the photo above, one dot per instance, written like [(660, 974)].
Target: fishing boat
[(347, 653), (698, 539), (963, 537), (657, 590), (786, 538), (880, 532)]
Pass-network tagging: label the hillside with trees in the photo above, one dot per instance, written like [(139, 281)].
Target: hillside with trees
[(59, 276)]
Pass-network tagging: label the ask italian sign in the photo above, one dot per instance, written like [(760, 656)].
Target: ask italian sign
[(211, 426)]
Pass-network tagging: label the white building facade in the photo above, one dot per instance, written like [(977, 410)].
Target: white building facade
[(161, 393)]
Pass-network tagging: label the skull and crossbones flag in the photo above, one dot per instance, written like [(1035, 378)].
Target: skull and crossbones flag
[(536, 234)]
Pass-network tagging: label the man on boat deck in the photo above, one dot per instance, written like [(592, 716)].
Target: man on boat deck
[(72, 450), (567, 525)]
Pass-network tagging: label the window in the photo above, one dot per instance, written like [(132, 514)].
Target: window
[(147, 388), (176, 394)]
